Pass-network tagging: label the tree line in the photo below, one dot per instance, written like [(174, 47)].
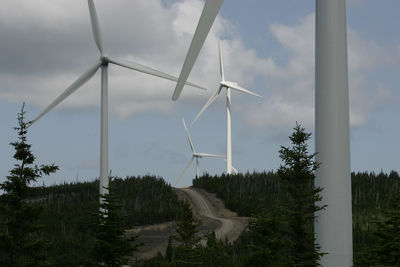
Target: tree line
[(375, 198)]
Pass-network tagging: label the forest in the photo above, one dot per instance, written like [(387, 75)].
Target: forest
[(69, 210), (372, 193)]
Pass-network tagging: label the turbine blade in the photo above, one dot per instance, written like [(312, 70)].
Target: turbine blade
[(210, 155), (184, 170), (207, 18), (141, 68), (209, 102), (95, 26), (241, 89), (234, 170), (221, 64), (72, 88), (188, 136)]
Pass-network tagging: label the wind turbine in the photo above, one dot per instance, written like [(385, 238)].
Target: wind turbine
[(103, 64), (210, 11), (228, 85), (195, 155)]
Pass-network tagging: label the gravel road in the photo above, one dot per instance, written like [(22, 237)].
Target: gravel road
[(207, 207), (209, 210)]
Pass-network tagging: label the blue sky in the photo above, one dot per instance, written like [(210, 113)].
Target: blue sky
[(268, 47)]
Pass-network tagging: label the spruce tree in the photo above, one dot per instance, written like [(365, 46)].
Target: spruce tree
[(112, 247), (187, 252), (298, 171), (187, 227), (270, 243), (21, 242), (169, 251), (387, 251), (215, 253)]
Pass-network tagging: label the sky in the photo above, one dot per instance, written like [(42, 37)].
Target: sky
[(267, 47)]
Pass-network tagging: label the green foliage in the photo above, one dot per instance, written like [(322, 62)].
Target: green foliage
[(251, 193), (387, 251), (297, 172), (20, 240), (283, 234), (169, 252), (245, 193), (216, 252), (372, 194), (186, 253), (186, 227), (213, 253), (270, 242), (111, 246), (66, 220)]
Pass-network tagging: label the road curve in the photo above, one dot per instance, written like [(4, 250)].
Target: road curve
[(207, 208)]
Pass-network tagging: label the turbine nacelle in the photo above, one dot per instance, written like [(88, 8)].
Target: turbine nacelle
[(228, 84), (236, 87), (104, 59), (203, 155)]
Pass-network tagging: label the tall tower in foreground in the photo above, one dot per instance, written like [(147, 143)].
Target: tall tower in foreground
[(332, 142)]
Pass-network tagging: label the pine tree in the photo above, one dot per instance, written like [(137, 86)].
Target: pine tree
[(21, 242), (112, 246), (387, 251), (298, 172)]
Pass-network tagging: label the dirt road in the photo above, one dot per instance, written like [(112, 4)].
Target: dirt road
[(213, 215), (208, 210)]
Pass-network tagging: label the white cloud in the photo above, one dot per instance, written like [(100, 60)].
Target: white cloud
[(49, 43), (46, 51), (290, 95)]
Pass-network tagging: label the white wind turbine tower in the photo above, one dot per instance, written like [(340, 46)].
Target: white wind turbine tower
[(333, 225), (228, 85), (103, 64), (195, 155)]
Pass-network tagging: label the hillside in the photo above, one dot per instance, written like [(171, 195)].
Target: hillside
[(69, 210)]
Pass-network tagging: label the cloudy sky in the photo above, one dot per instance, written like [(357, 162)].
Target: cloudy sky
[(268, 47)]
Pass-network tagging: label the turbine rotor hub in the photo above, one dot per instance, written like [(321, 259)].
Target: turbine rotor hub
[(104, 59)]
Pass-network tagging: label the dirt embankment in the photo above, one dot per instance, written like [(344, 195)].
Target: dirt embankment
[(207, 209)]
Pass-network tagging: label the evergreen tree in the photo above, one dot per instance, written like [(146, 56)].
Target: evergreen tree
[(387, 251), (187, 252), (21, 243), (215, 253), (186, 227), (169, 252), (298, 172), (112, 246), (270, 244)]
